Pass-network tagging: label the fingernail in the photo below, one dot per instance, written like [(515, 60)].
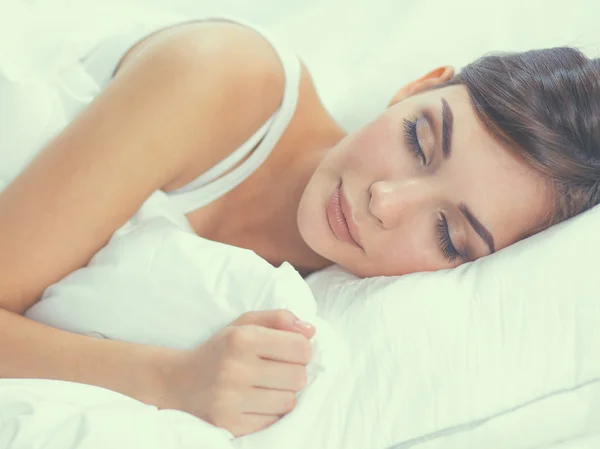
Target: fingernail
[(303, 325)]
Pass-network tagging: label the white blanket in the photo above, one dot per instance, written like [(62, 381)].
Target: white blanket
[(158, 283)]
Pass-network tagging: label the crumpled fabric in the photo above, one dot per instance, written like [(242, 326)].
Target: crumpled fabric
[(42, 83), (158, 283)]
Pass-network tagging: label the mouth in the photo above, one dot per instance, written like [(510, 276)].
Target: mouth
[(339, 216)]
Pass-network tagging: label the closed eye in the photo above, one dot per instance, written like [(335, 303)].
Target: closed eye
[(410, 132), (448, 249)]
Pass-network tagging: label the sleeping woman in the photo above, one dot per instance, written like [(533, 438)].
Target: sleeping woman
[(229, 124)]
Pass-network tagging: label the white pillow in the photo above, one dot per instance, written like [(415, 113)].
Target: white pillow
[(506, 350)]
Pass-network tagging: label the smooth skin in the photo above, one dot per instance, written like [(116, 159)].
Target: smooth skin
[(181, 101)]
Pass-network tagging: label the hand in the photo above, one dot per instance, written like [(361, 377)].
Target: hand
[(246, 376)]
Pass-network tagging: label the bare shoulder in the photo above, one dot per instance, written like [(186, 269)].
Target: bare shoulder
[(224, 58), (227, 44)]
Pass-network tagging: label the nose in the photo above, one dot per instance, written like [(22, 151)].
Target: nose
[(393, 202)]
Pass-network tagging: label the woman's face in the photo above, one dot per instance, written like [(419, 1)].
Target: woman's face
[(421, 188)]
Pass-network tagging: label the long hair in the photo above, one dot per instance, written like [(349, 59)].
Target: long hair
[(545, 106)]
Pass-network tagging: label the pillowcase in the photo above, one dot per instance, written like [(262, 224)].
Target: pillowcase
[(502, 352)]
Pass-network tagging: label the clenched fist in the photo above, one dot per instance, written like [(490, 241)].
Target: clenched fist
[(246, 376)]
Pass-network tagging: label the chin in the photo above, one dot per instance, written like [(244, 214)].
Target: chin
[(311, 219), (318, 237), (311, 230)]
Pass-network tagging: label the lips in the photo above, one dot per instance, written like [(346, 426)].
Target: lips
[(339, 216)]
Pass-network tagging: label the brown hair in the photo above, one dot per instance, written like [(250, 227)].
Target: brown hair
[(545, 106)]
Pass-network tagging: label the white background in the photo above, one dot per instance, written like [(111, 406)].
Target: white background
[(361, 51)]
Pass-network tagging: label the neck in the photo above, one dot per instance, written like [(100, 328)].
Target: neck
[(283, 241), (263, 215), (268, 221)]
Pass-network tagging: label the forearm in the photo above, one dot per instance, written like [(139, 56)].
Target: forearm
[(32, 350)]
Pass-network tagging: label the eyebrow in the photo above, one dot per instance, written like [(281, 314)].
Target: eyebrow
[(447, 122), (480, 229)]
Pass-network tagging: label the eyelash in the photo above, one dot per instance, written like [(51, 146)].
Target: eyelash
[(446, 245), (410, 132), (448, 249)]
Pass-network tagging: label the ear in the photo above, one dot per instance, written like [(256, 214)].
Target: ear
[(434, 78)]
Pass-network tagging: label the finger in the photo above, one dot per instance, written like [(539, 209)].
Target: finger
[(267, 401), (281, 319), (282, 346), (279, 376)]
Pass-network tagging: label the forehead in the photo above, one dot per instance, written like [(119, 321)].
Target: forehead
[(507, 195)]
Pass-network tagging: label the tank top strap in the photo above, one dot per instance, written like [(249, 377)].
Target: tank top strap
[(102, 61), (226, 164), (216, 182)]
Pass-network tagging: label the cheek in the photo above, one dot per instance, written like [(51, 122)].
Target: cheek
[(408, 249), (375, 147)]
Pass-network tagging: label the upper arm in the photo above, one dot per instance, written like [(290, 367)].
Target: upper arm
[(176, 106)]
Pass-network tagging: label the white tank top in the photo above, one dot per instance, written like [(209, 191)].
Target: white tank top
[(102, 61)]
